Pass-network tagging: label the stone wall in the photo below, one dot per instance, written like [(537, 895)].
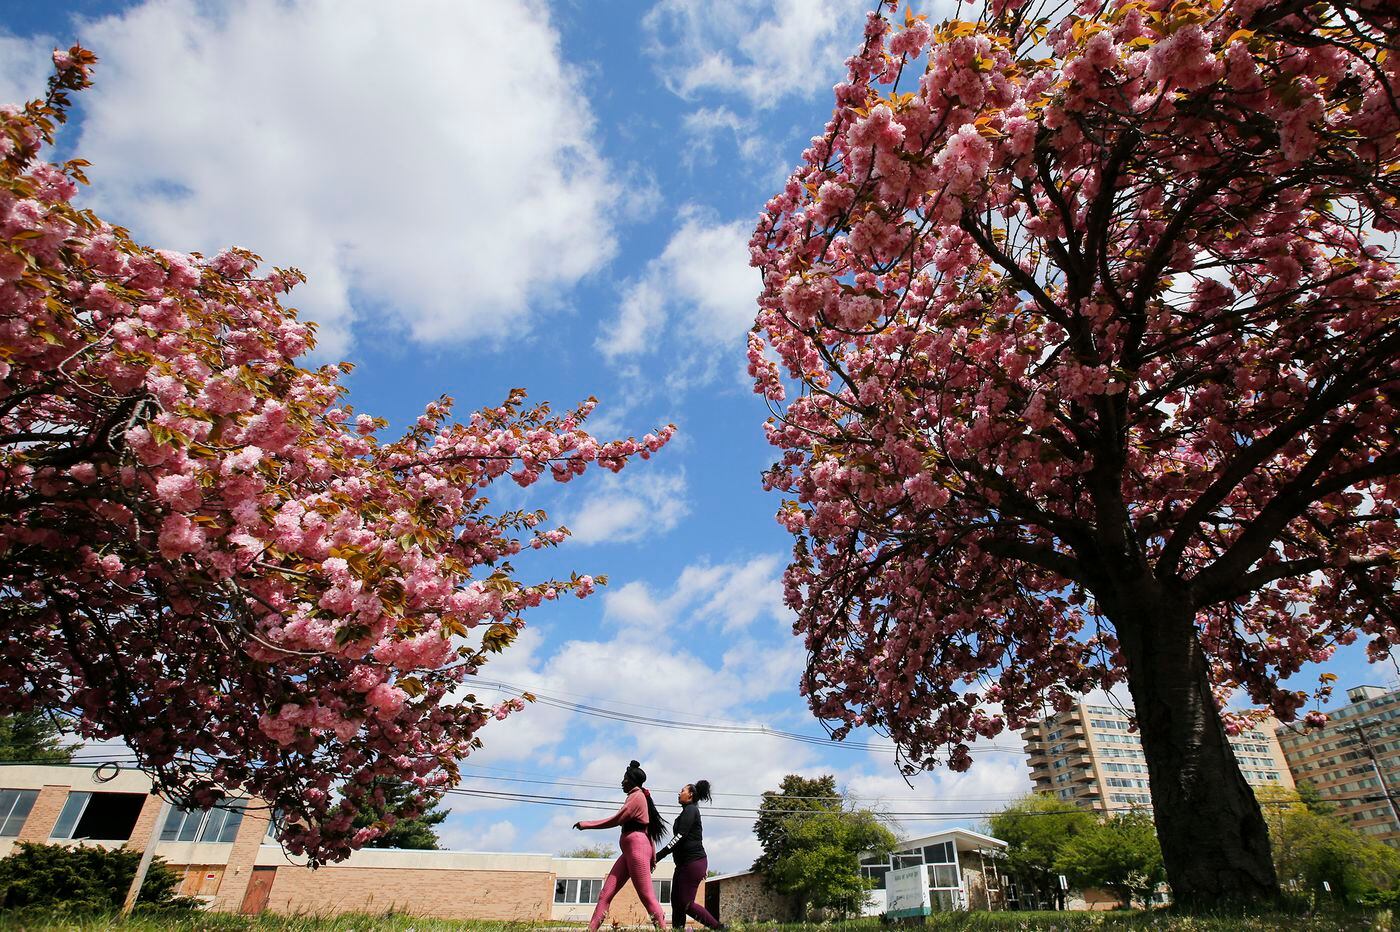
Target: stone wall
[(744, 898)]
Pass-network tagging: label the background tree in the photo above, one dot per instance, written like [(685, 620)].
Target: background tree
[(1119, 853), (1036, 829), (1312, 798), (206, 552), (795, 795), (1093, 322), (818, 864), (602, 852), (33, 736), (389, 814), (1312, 844)]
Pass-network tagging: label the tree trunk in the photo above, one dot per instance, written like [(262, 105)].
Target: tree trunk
[(1215, 843)]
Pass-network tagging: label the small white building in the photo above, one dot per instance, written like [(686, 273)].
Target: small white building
[(965, 871)]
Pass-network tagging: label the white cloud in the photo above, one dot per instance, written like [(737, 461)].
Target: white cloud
[(633, 605), (650, 664), (435, 171), (991, 783), (763, 52), (25, 65), (458, 834), (701, 282), (748, 592), (730, 596), (631, 508), (707, 124)]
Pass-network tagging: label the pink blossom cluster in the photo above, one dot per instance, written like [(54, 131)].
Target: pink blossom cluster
[(1076, 330), (206, 552)]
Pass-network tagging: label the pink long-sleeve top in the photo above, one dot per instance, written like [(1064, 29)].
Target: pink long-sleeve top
[(634, 809)]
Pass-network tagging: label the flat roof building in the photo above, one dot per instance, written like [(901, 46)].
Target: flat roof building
[(966, 870), (1354, 761), (226, 857), (1090, 755)]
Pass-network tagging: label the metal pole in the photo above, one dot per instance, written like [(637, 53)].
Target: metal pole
[(1376, 766), (146, 857)]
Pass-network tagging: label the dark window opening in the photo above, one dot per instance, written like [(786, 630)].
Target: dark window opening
[(99, 816)]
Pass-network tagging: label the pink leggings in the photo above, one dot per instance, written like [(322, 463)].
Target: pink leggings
[(633, 864)]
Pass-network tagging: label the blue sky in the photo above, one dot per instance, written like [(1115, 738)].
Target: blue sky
[(555, 196)]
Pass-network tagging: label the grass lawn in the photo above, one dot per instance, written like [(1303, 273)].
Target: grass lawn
[(946, 922)]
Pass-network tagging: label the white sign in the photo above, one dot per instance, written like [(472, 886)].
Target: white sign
[(1064, 882), (906, 892)]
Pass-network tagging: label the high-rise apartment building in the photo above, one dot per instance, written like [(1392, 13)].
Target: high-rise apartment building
[(1354, 761), (1090, 755)]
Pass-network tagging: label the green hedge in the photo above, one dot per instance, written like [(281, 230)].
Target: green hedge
[(82, 879)]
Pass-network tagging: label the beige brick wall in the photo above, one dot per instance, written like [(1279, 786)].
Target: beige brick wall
[(447, 894), (234, 882), (144, 831), (39, 825), (627, 909)]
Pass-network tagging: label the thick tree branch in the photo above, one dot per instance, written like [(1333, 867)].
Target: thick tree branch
[(1261, 576)]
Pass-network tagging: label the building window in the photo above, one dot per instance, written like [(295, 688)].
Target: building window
[(941, 853), (72, 811), (571, 890), (14, 809), (876, 873), (98, 816), (219, 824), (663, 890), (943, 875)]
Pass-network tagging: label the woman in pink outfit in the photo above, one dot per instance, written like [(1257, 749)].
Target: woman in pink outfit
[(642, 828)]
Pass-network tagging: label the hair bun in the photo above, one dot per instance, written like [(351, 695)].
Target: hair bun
[(634, 764)]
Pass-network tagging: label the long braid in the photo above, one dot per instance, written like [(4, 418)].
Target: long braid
[(656, 826)]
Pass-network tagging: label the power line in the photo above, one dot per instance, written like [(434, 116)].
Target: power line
[(718, 726), (750, 813), (759, 795), (721, 812)]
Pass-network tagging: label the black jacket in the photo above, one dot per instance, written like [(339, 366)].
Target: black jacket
[(687, 838)]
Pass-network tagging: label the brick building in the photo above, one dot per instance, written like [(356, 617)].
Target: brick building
[(226, 857), (1091, 756), (1354, 761)]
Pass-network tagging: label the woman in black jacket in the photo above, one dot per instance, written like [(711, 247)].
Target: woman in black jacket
[(688, 846)]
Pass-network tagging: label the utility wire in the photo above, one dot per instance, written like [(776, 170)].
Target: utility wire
[(751, 813), (736, 812), (711, 725)]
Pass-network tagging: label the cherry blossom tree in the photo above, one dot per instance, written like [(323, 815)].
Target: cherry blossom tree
[(1080, 326), (206, 553)]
